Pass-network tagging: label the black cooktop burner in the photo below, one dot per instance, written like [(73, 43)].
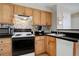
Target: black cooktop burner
[(17, 34), (28, 34)]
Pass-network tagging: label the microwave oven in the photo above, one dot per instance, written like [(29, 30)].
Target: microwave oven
[(6, 31)]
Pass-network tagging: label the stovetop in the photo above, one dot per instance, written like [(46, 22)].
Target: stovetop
[(23, 34)]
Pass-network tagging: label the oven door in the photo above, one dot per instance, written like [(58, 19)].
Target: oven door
[(23, 45)]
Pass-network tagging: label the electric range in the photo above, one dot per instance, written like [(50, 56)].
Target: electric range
[(22, 43)]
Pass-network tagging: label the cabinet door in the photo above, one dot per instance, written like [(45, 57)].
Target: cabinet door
[(36, 17), (76, 48), (52, 49), (5, 47), (28, 11), (52, 46), (64, 48), (49, 18), (43, 18), (47, 45), (6, 13), (1, 13), (19, 10), (39, 46)]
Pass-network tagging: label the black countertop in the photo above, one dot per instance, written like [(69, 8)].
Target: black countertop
[(68, 38), (68, 30), (65, 38)]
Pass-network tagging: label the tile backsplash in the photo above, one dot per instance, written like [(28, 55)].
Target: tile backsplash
[(23, 23)]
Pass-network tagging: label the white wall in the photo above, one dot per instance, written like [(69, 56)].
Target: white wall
[(66, 20), (60, 11), (63, 16), (54, 17), (75, 21)]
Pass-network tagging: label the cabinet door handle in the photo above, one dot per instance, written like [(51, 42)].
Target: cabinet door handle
[(1, 41), (1, 49)]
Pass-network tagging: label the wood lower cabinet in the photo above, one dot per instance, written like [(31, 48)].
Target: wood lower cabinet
[(6, 13), (5, 47), (45, 44), (39, 45), (51, 46), (76, 49)]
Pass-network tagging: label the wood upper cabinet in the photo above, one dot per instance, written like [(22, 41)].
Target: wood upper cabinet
[(28, 11), (49, 18), (1, 13), (43, 18), (36, 17), (6, 13), (39, 45), (18, 10), (51, 46)]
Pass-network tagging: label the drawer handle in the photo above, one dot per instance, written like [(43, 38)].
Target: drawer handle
[(1, 49), (1, 41)]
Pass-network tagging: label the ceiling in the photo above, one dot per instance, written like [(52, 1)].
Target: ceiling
[(72, 7)]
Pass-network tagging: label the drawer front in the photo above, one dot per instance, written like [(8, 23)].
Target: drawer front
[(5, 40), (40, 38), (5, 49), (52, 39), (5, 54)]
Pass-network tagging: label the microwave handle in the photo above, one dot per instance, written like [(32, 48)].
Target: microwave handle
[(9, 30)]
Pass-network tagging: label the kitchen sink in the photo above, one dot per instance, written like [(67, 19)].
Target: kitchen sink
[(54, 34)]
